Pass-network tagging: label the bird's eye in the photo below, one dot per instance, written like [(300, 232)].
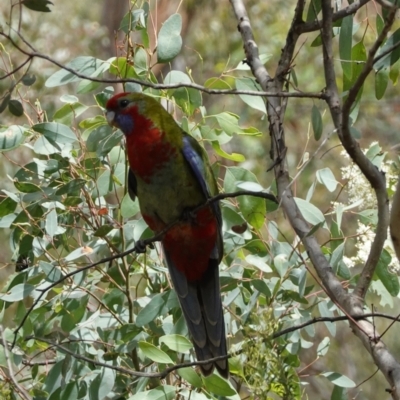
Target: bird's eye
[(124, 103)]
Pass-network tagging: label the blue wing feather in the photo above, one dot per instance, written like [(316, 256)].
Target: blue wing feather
[(197, 165)]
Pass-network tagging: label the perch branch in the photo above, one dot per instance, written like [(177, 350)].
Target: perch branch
[(353, 303), (138, 248)]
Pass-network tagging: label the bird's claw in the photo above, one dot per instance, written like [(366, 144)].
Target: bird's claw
[(140, 247), (188, 215)]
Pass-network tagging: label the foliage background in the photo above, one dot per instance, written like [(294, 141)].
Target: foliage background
[(212, 47)]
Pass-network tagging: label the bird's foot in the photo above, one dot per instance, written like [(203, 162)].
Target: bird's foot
[(189, 215), (140, 247)]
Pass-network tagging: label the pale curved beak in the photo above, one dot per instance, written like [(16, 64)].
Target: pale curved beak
[(110, 115)]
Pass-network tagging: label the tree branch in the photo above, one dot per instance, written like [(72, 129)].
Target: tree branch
[(394, 221), (349, 304), (138, 248), (344, 12), (353, 303), (333, 319), (34, 54), (375, 177), (161, 375)]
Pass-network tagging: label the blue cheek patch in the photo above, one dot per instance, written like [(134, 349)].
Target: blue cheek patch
[(125, 123)]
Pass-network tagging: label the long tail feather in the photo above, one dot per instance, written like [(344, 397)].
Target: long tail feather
[(202, 308)]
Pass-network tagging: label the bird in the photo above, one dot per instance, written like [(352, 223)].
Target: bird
[(171, 176)]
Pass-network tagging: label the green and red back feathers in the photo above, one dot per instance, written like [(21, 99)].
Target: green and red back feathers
[(171, 176)]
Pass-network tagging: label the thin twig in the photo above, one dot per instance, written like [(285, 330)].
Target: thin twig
[(138, 248), (21, 391), (344, 12), (334, 319), (127, 371), (35, 54)]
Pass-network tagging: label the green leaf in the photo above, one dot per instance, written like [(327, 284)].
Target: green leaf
[(177, 343), (106, 181), (188, 99), (252, 208), (169, 41), (84, 65), (72, 201), (97, 136), (326, 177), (26, 187), (37, 5), (7, 206), (17, 293), (55, 132), (358, 56), (68, 112), (233, 157), (103, 384), (11, 137), (315, 228), (104, 96), (379, 23), (218, 385), (229, 123), (339, 393), (339, 379), (337, 263), (15, 107), (154, 353), (316, 122), (355, 133), (53, 274), (5, 102), (158, 305), (313, 10), (393, 56), (165, 392), (345, 42), (256, 102), (243, 66), (316, 42), (5, 222), (54, 377), (77, 253), (28, 79), (259, 263), (103, 230), (122, 68), (311, 213), (262, 287), (140, 62), (323, 347), (128, 207), (190, 375), (70, 391), (381, 82), (133, 20), (51, 223), (72, 187), (217, 83), (236, 366), (389, 280)]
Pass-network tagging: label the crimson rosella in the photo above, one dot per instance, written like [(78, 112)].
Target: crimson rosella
[(171, 175)]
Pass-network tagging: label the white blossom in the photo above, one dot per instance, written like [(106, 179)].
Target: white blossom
[(359, 189)]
